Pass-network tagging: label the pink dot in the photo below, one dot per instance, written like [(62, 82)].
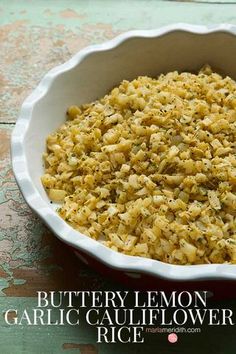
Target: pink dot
[(172, 338)]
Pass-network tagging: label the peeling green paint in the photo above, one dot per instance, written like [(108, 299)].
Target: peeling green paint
[(19, 281), (51, 32), (123, 14), (36, 36), (3, 285)]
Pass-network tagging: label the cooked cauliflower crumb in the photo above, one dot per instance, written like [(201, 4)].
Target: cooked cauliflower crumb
[(150, 169)]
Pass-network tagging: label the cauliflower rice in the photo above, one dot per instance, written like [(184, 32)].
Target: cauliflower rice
[(150, 169)]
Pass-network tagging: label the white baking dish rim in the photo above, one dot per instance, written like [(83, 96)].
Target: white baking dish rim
[(65, 232)]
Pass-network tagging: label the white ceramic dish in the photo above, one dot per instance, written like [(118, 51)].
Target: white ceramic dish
[(89, 75)]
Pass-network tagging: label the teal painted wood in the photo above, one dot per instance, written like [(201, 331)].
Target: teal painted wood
[(82, 339), (121, 15), (50, 32), (34, 37)]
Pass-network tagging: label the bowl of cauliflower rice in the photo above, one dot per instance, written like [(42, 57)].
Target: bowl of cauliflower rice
[(128, 153)]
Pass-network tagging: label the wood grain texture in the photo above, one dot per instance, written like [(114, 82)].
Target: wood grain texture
[(31, 257), (34, 37)]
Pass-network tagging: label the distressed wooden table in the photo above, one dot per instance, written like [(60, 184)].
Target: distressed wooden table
[(34, 37)]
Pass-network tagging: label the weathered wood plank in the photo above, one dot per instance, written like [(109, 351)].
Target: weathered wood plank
[(34, 37), (216, 2), (82, 339), (31, 257), (42, 339), (50, 32)]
